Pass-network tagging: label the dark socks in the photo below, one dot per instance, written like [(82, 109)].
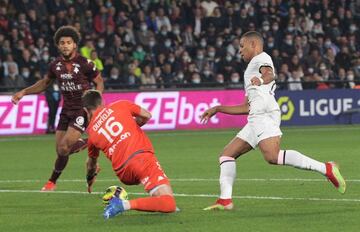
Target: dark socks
[(60, 164)]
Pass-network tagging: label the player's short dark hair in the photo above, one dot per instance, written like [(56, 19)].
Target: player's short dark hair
[(253, 34), (91, 99), (67, 31)]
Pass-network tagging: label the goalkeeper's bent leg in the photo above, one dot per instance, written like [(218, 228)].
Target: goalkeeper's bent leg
[(163, 203)]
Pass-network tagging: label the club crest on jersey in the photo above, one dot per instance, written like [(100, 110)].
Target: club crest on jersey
[(76, 68)]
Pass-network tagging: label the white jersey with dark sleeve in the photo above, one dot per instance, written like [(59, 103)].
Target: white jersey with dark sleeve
[(261, 98), (253, 70), (264, 116)]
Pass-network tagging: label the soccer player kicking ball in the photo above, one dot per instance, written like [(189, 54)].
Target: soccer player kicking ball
[(115, 129), (263, 127), (74, 74)]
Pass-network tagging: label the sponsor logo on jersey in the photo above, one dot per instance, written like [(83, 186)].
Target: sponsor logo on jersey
[(70, 86), (66, 76), (121, 138)]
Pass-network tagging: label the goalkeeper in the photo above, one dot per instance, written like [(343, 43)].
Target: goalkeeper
[(115, 129)]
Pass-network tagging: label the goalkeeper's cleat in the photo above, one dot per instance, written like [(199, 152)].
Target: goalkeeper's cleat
[(221, 204), (48, 187), (114, 208), (334, 176)]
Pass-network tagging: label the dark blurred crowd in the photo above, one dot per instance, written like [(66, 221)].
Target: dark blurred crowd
[(152, 44)]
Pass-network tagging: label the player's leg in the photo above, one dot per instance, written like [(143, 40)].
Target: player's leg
[(64, 141), (233, 150), (78, 122), (59, 165), (161, 200), (270, 149), (68, 136), (73, 142), (155, 182), (65, 145), (78, 146)]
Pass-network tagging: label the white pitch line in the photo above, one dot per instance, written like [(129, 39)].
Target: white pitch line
[(191, 180), (189, 133), (196, 195)]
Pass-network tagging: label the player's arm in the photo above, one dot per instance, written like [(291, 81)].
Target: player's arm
[(38, 87), (267, 76), (99, 83), (92, 168), (233, 110), (143, 117)]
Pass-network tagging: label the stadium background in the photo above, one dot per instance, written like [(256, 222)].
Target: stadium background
[(159, 44), (192, 61), (188, 45)]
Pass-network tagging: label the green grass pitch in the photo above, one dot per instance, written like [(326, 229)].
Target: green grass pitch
[(266, 197)]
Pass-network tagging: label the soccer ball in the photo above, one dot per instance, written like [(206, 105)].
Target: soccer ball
[(114, 191)]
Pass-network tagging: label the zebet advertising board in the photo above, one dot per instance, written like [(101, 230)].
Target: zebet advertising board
[(181, 109), (170, 110)]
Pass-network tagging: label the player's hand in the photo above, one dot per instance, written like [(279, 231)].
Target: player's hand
[(255, 81), (90, 179), (17, 96), (204, 118)]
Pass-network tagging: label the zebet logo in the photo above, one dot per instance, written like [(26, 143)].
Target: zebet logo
[(27, 117), (287, 108), (169, 109)]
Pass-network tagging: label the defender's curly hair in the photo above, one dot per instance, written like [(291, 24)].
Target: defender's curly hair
[(67, 31)]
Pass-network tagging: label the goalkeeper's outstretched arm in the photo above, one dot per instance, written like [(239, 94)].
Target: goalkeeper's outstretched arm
[(143, 117), (92, 168)]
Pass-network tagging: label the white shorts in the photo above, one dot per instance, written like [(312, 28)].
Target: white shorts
[(260, 127)]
